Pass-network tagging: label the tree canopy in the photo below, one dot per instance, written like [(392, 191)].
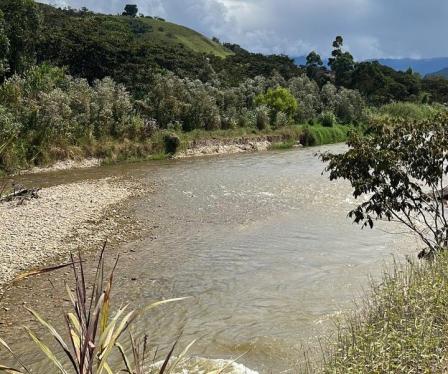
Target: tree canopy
[(401, 172), (278, 99), (130, 10), (22, 28)]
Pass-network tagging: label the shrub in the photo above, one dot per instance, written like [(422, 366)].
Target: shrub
[(278, 100), (262, 118), (281, 120), (175, 126), (399, 171), (306, 92), (172, 143), (247, 118), (349, 106), (111, 108), (409, 111), (327, 119), (307, 137), (9, 133), (93, 331)]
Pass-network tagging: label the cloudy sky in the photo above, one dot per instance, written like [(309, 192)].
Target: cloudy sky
[(371, 28)]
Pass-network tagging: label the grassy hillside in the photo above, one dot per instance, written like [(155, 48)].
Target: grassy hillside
[(169, 33), (146, 30)]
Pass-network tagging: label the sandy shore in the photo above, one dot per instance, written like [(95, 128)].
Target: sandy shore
[(59, 222)]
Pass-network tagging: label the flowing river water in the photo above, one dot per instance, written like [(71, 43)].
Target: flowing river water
[(260, 242)]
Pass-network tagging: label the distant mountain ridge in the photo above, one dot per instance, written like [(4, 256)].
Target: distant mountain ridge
[(441, 73), (424, 66)]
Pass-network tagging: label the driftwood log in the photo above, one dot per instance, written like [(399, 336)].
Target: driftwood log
[(21, 195)]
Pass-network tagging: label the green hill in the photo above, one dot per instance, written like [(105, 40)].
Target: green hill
[(128, 49), (147, 30)]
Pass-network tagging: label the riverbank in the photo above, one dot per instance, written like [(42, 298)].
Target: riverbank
[(61, 221), (196, 143)]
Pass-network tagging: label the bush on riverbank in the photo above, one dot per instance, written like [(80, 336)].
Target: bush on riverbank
[(402, 326), (406, 111)]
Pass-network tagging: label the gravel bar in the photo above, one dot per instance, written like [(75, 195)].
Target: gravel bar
[(35, 232)]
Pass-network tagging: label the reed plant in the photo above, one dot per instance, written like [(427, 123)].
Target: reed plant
[(94, 332)]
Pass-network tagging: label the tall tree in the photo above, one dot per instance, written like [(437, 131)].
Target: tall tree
[(341, 63), (22, 24), (316, 70), (314, 60), (130, 10)]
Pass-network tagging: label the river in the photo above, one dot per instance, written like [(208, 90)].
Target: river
[(260, 242)]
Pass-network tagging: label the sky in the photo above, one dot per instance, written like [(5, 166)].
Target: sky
[(371, 28)]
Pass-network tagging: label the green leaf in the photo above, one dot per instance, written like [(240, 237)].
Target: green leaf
[(46, 351)]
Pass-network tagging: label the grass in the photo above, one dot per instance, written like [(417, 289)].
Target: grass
[(401, 328), (329, 135), (283, 145), (167, 33)]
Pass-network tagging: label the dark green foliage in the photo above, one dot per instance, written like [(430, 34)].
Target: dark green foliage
[(436, 88), (133, 50), (243, 64), (381, 84), (172, 143), (341, 63), (314, 60), (327, 119), (307, 137), (22, 29), (4, 48), (130, 10), (315, 69), (128, 49)]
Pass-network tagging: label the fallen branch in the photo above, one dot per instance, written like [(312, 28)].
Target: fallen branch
[(22, 194)]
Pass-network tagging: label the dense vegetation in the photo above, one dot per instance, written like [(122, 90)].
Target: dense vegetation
[(401, 328), (74, 83)]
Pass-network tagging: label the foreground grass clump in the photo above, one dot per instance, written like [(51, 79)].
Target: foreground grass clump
[(94, 332), (402, 328)]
